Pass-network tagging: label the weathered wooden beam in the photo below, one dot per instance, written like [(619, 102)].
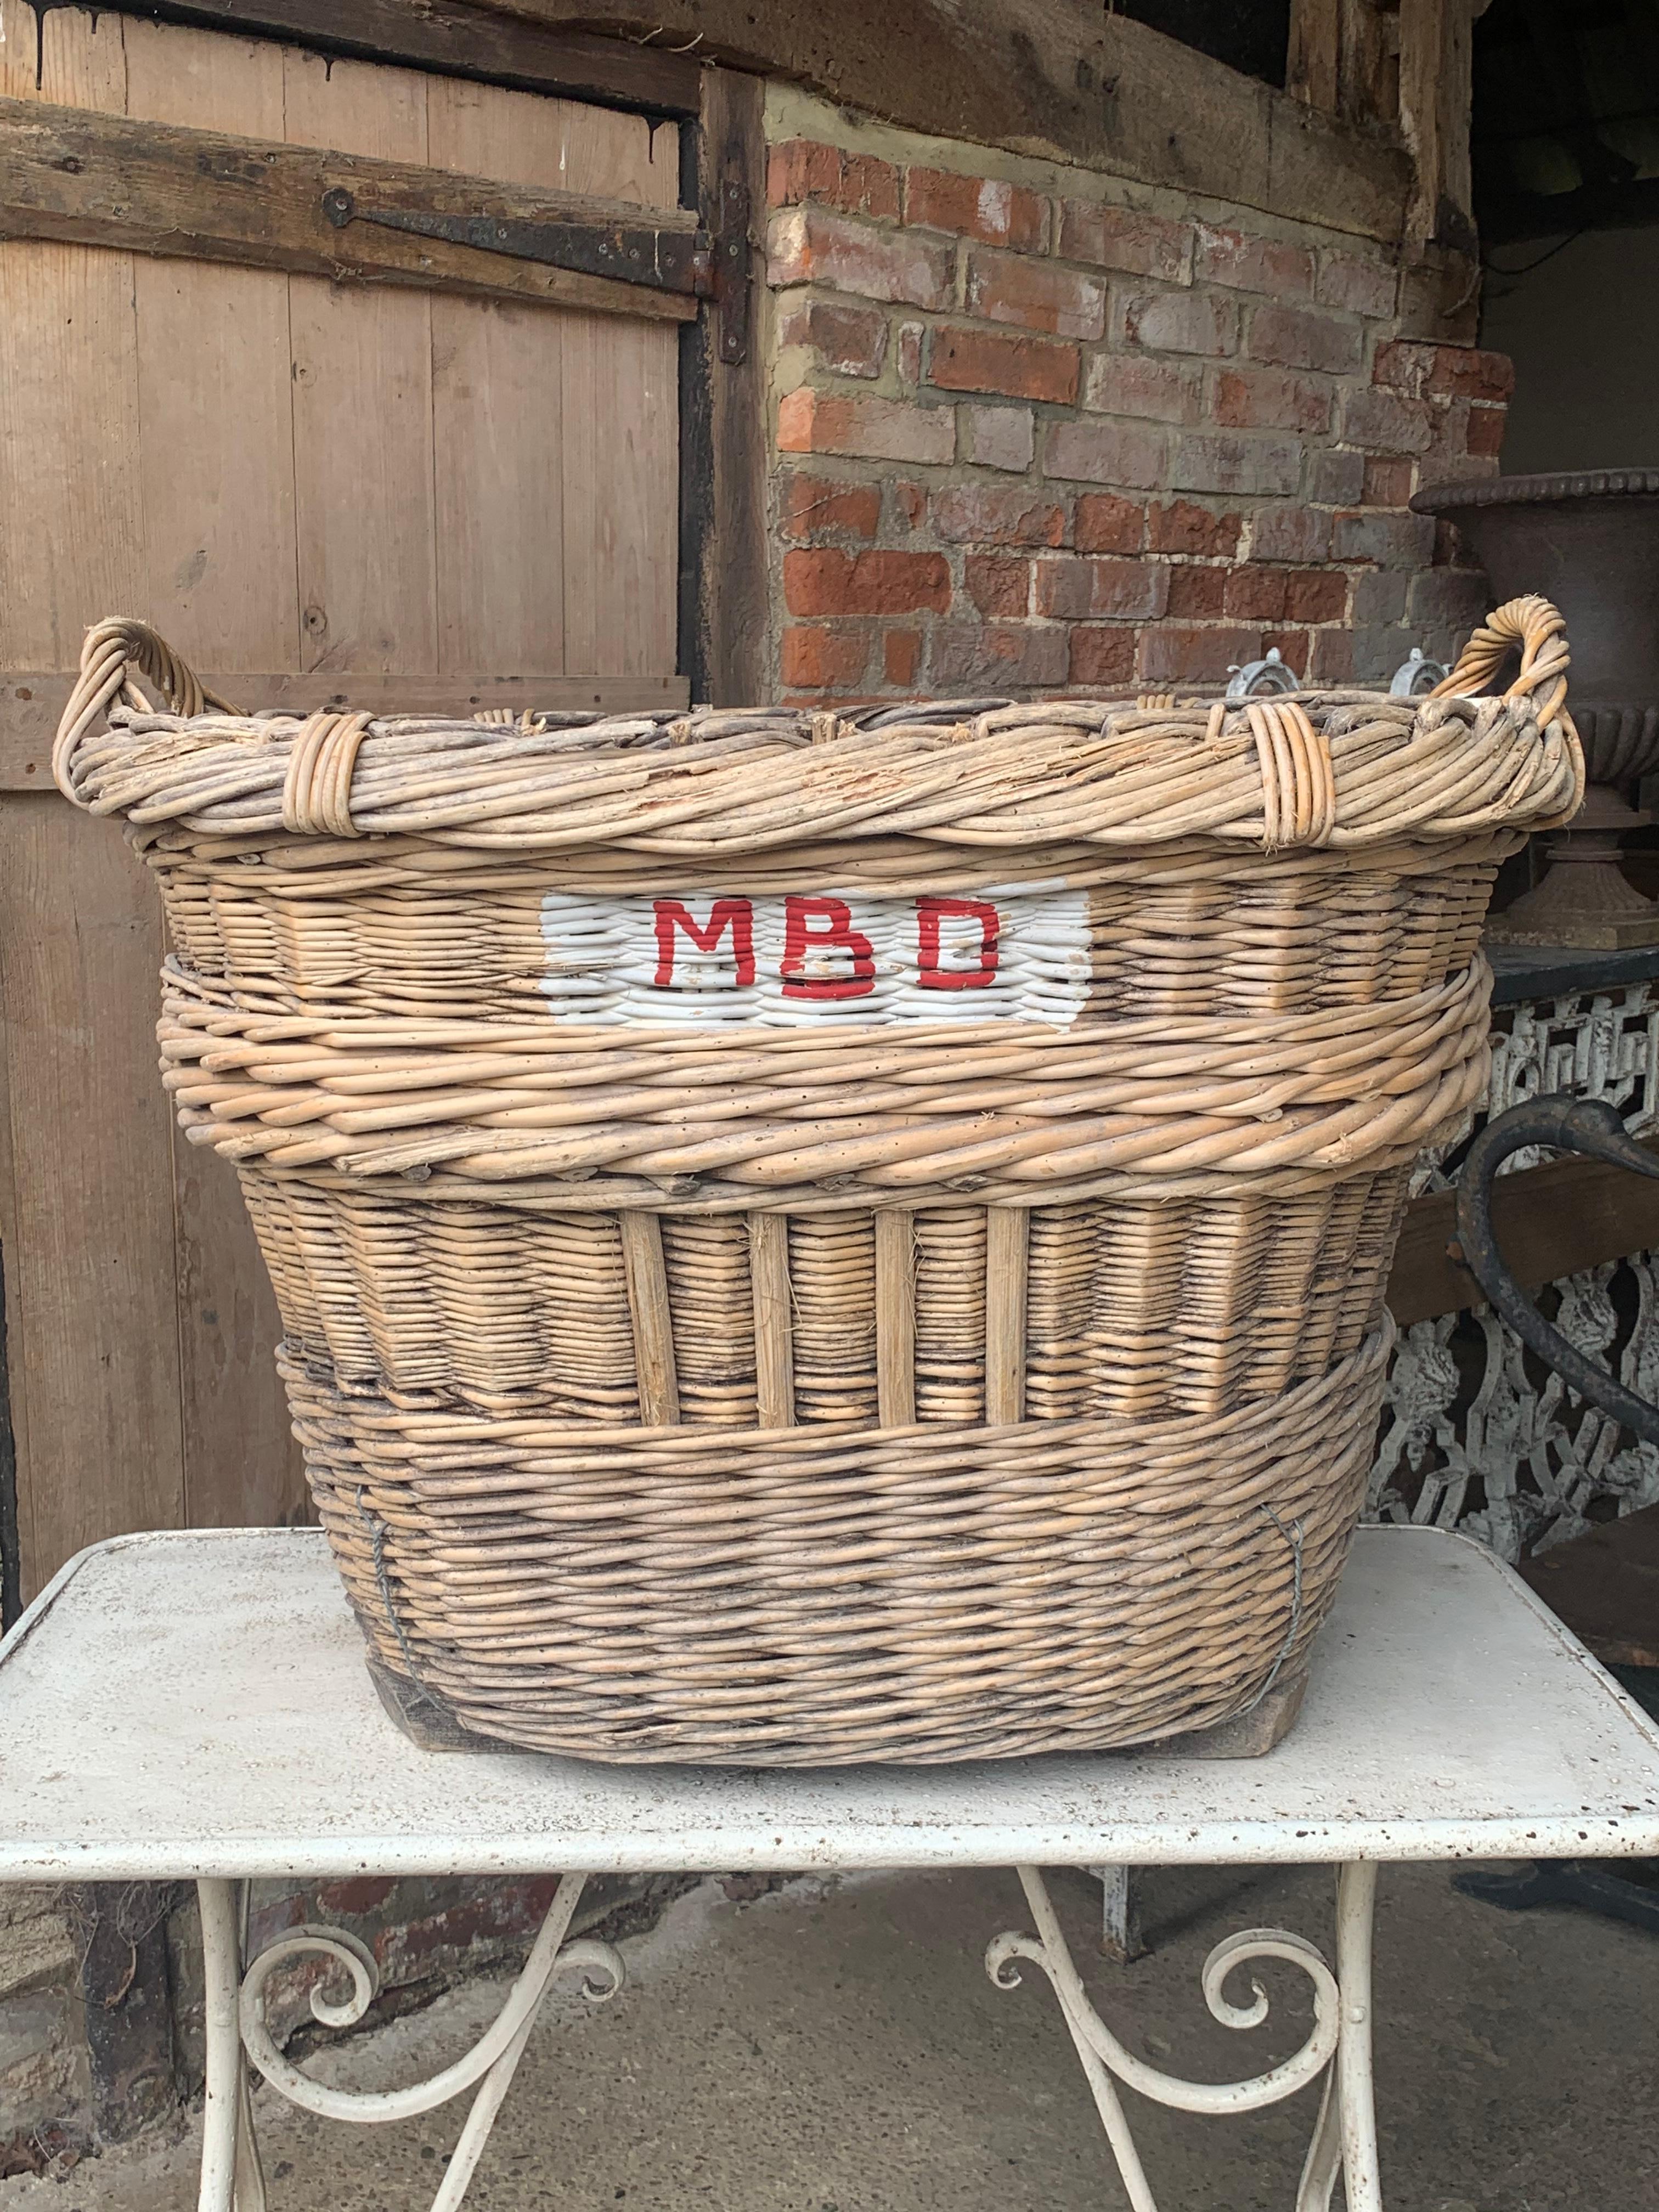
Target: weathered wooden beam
[(31, 704), (461, 41), (1550, 1221), (88, 179), (1060, 80)]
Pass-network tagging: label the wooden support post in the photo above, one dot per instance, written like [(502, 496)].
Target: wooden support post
[(1343, 59), (1369, 87), (724, 553), (1437, 90), (1313, 64)]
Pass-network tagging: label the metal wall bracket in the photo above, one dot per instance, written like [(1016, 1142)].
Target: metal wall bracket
[(1416, 677), (1261, 679)]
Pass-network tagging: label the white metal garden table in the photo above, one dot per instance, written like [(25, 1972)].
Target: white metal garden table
[(195, 1706)]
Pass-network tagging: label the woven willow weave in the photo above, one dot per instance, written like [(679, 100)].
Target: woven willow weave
[(810, 1238)]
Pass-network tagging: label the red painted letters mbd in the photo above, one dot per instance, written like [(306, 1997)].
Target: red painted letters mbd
[(834, 933), (930, 912), (824, 955), (735, 914)]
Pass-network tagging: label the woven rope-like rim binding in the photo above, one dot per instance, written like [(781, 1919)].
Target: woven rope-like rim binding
[(317, 788), (1298, 789), (1321, 769)]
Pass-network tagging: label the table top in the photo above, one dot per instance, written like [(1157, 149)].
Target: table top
[(196, 1703)]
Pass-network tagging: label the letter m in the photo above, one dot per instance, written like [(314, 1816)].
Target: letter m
[(736, 914)]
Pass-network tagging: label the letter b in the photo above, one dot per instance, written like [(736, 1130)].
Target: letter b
[(814, 927)]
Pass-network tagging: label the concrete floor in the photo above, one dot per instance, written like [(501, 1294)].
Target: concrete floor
[(836, 2047)]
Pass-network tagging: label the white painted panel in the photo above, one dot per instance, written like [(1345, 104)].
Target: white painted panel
[(715, 957)]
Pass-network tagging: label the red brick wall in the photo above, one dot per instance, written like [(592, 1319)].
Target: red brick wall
[(1027, 439)]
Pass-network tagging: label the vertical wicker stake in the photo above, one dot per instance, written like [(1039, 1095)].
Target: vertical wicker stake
[(775, 1338), (1007, 1249), (653, 1326), (896, 1318)]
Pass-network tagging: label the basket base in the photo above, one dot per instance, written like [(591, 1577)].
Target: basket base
[(429, 1722)]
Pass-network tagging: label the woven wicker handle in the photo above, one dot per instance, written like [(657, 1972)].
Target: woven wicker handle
[(112, 652), (1541, 631)]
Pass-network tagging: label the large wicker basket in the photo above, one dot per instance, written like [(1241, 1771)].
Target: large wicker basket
[(812, 1239)]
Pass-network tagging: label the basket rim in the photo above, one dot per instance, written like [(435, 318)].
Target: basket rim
[(1328, 767)]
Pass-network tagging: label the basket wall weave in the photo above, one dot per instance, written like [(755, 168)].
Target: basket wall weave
[(804, 1239)]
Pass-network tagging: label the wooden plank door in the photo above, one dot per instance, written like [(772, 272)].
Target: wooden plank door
[(402, 495)]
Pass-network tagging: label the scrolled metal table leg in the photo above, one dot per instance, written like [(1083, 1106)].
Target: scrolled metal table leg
[(237, 2025), (1324, 2160), (250, 2174), (1343, 2130)]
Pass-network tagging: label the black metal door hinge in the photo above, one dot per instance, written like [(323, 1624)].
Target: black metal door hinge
[(731, 260), (690, 262)]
